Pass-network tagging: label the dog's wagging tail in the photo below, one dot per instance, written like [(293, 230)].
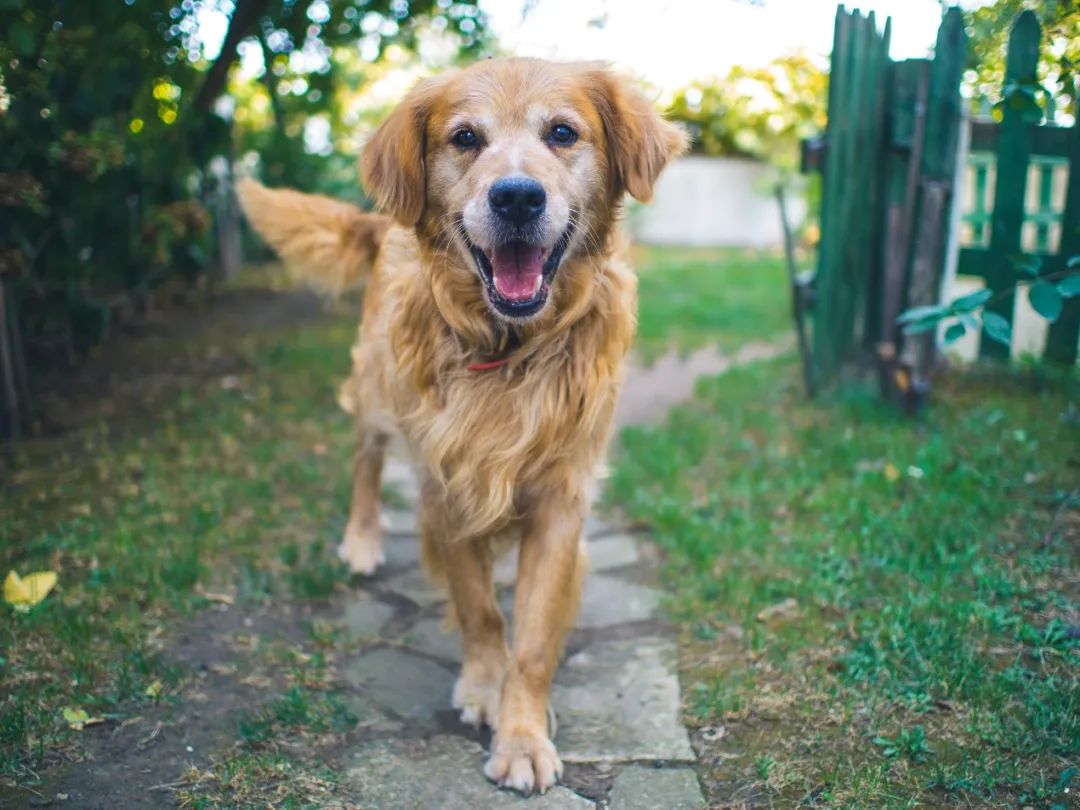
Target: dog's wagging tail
[(497, 315)]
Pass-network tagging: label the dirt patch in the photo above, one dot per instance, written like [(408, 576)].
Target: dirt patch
[(651, 390), (142, 366), (229, 657)]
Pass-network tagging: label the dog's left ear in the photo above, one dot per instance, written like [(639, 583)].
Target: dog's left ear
[(640, 141), (392, 165)]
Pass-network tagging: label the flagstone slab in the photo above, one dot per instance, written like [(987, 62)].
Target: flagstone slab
[(364, 616), (612, 551), (401, 550), (595, 527), (400, 522), (619, 701), (406, 684), (608, 601), (439, 773), (638, 787), (415, 586), (428, 636)]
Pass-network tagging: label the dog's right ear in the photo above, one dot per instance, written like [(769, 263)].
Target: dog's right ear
[(392, 166)]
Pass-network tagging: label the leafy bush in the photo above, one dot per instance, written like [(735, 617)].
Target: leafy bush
[(1046, 293), (756, 112), (110, 125)]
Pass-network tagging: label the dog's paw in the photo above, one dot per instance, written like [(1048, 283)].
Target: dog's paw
[(523, 762), (361, 549), (478, 700)]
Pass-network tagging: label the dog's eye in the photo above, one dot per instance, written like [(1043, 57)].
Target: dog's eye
[(465, 138), (562, 135)]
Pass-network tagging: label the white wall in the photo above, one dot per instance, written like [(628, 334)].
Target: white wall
[(713, 202)]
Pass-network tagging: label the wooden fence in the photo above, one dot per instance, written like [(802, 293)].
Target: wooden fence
[(1029, 176), (889, 161)]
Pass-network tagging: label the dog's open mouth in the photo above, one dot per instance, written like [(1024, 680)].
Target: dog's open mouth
[(518, 275)]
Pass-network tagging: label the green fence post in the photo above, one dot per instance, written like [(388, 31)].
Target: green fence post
[(1014, 151), (1061, 340), (832, 225), (909, 88), (943, 116), (852, 189)]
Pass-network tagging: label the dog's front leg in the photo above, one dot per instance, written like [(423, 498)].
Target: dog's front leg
[(468, 568), (550, 571)]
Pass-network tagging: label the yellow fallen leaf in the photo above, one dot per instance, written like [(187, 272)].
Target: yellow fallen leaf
[(23, 593), (78, 719), (154, 690)]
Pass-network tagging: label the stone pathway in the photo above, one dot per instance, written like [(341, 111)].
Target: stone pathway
[(616, 693), (652, 390)]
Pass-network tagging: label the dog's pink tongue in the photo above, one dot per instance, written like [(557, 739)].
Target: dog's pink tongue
[(518, 270)]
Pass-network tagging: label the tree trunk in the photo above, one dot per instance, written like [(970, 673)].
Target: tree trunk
[(270, 79), (241, 24)]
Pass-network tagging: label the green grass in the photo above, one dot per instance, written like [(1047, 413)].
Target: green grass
[(692, 297), (872, 606), (237, 487), (298, 709), (248, 778)]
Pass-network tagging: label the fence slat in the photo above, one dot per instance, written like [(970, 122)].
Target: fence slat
[(908, 90), (878, 82), (1061, 340), (848, 257), (825, 337), (1014, 151), (943, 117)]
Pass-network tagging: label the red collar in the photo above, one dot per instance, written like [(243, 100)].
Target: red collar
[(499, 358), (487, 365)]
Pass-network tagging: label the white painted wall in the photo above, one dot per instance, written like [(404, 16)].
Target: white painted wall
[(713, 202)]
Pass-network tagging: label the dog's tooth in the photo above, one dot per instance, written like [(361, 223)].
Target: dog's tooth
[(538, 282)]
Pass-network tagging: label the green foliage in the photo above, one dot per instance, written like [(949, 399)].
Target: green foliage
[(908, 743), (96, 172), (988, 27), (1046, 293), (756, 112), (109, 133), (350, 39)]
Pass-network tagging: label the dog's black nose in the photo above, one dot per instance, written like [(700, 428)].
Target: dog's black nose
[(518, 200)]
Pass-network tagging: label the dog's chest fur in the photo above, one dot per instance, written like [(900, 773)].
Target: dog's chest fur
[(540, 423)]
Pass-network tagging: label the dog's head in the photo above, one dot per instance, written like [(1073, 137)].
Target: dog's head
[(517, 166)]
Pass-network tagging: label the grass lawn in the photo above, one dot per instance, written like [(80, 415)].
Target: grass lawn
[(690, 297), (211, 483), (875, 612)]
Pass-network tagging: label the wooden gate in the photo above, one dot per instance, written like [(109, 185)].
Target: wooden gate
[(889, 163)]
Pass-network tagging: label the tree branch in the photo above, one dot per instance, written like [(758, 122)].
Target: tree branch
[(243, 20)]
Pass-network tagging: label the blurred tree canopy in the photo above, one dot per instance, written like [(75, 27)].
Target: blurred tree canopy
[(988, 29), (117, 124), (762, 112)]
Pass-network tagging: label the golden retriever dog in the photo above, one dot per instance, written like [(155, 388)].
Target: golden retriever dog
[(495, 322)]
